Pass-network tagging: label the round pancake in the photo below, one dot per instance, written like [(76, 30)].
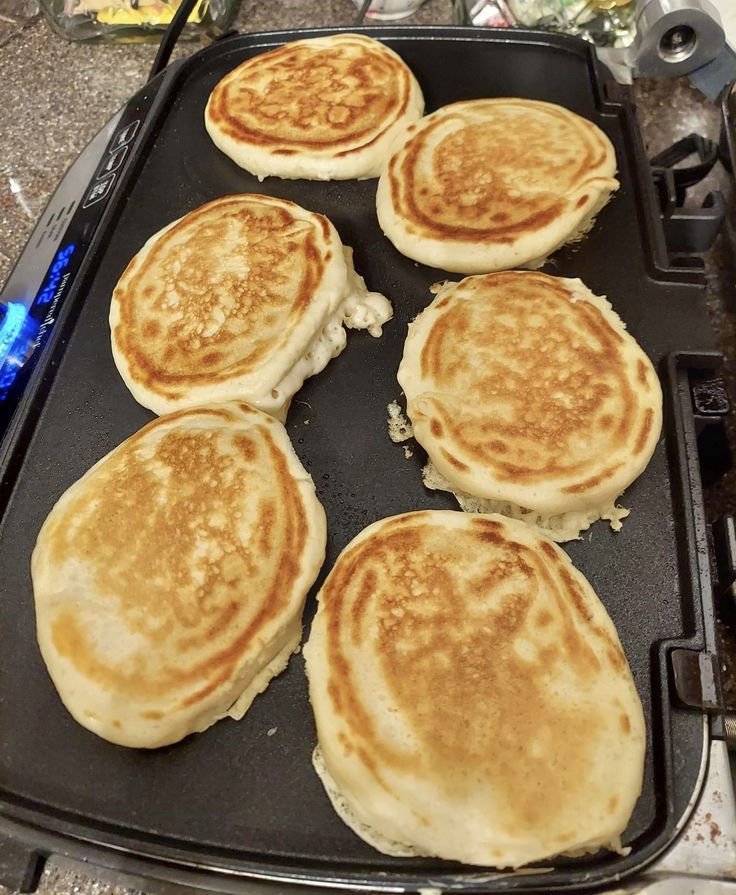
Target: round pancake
[(526, 388), (328, 108), (492, 184), (243, 298), (471, 695), (169, 581)]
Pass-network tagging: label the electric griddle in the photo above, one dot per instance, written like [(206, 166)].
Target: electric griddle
[(233, 806)]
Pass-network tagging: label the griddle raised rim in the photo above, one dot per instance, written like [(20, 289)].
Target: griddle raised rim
[(47, 829), (35, 845)]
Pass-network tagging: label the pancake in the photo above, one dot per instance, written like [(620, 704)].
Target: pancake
[(169, 581), (526, 391), (243, 298), (471, 696), (492, 184), (328, 108)]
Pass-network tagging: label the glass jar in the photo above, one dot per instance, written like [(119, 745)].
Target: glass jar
[(606, 23), (134, 20)]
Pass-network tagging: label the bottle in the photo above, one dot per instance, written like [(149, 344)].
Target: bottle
[(606, 23), (133, 20)]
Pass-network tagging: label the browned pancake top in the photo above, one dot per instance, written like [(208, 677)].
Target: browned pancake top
[(220, 292), (473, 631), (531, 385), (339, 96), (494, 169), (189, 540)]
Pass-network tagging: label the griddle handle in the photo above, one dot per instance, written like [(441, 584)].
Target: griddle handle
[(700, 407), (687, 230), (697, 682), (20, 865), (693, 144)]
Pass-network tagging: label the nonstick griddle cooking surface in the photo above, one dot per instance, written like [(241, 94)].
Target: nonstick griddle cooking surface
[(235, 798)]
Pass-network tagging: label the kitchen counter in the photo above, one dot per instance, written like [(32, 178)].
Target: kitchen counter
[(57, 95)]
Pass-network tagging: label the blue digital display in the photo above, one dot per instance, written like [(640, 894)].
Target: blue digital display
[(55, 275)]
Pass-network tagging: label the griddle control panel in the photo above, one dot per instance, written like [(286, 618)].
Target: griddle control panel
[(125, 135), (99, 191), (112, 161), (46, 272)]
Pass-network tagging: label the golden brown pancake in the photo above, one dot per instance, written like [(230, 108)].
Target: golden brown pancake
[(169, 581), (526, 390), (243, 298), (471, 695), (492, 184), (327, 108)]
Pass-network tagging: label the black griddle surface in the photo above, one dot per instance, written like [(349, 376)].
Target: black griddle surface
[(233, 794)]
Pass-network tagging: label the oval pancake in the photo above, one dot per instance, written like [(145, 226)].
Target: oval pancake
[(526, 389), (243, 298), (471, 696), (492, 184), (169, 581), (328, 108)]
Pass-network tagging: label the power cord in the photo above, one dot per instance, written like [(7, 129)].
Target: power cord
[(171, 35)]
